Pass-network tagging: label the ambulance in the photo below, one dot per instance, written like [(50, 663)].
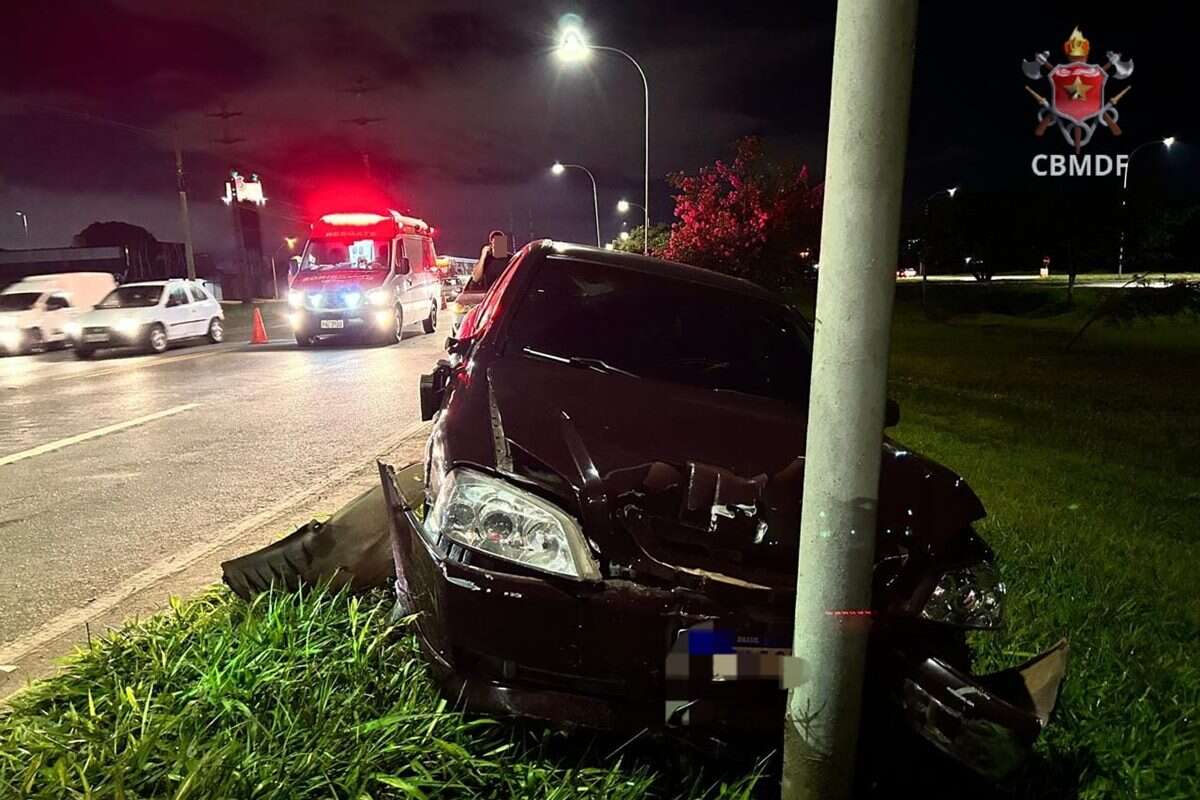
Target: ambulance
[(365, 275)]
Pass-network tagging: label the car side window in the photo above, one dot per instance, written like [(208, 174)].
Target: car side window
[(178, 297), (198, 294), (491, 301), (56, 302)]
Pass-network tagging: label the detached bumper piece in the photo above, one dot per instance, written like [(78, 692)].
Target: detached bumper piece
[(351, 549), (987, 723)]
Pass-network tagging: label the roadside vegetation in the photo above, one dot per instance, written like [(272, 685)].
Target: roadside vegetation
[(1086, 459)]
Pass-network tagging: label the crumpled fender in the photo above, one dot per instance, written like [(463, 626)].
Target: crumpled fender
[(352, 549)]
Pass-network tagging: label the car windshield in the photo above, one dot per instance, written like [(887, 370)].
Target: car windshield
[(131, 297), (340, 254), (636, 323), (18, 301)]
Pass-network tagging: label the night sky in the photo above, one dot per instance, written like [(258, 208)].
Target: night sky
[(474, 107)]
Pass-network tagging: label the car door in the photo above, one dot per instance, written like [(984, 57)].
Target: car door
[(206, 308), (412, 281), (57, 314), (179, 313)]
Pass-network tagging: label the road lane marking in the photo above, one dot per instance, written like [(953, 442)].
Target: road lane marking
[(83, 437), (149, 362), (21, 647)]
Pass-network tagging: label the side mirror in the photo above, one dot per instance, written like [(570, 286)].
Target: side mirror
[(891, 413), (433, 389), (458, 347)]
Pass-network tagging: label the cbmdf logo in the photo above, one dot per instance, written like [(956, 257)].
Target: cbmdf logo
[(1077, 91)]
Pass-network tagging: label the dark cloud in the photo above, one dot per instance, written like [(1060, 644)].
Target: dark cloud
[(131, 65)]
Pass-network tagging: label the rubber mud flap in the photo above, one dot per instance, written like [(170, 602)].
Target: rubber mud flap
[(352, 549)]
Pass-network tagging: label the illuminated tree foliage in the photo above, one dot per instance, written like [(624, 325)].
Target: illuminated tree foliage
[(748, 217)]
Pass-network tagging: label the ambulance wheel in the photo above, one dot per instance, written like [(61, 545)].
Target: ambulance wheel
[(429, 324)]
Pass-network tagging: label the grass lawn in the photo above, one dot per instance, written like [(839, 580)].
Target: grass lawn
[(1086, 460)]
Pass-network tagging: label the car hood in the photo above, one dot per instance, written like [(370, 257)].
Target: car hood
[(697, 478), (339, 279), (17, 319)]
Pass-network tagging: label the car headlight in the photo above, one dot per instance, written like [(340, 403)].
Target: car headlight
[(970, 597), (72, 329), (493, 516), (127, 325), (378, 297), (295, 298)]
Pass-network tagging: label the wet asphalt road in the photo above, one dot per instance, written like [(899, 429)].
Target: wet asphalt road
[(231, 430)]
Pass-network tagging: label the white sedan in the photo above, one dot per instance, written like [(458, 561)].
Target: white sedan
[(149, 316)]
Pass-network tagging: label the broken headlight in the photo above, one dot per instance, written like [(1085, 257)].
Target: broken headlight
[(969, 597), (493, 516)]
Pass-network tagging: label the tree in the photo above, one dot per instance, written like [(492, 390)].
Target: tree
[(660, 237), (749, 217), (140, 244)]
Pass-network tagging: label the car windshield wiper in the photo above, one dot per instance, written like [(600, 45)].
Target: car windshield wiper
[(583, 362)]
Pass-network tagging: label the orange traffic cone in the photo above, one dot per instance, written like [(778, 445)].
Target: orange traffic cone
[(258, 333)]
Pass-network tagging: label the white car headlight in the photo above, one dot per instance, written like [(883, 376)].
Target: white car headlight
[(493, 516), (378, 297), (295, 298), (127, 325), (970, 597)]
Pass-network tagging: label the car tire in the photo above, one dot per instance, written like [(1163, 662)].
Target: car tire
[(216, 330), (34, 342), (84, 353), (429, 324), (397, 332), (156, 339)]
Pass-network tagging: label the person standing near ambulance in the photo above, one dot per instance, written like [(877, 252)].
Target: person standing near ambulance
[(492, 261)]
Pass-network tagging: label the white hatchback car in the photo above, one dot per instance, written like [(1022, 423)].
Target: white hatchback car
[(149, 316)]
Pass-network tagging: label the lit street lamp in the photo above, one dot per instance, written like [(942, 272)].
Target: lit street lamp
[(925, 245), (559, 168), (1167, 142), (573, 47), (25, 221), (624, 236)]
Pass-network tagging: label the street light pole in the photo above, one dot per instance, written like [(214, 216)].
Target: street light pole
[(624, 206), (925, 244), (573, 46), (25, 221), (558, 169), (1167, 142), (290, 243), (868, 124), (188, 252)]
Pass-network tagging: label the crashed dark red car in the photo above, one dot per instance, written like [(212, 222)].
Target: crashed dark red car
[(611, 499), (604, 531)]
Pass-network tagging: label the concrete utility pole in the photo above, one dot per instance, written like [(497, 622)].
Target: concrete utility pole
[(188, 252), (868, 124)]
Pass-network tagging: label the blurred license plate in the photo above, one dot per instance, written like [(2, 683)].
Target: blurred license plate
[(96, 337), (333, 323)]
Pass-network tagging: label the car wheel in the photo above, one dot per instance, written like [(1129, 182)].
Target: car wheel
[(397, 334), (429, 324), (83, 353), (216, 331), (34, 342), (156, 338)]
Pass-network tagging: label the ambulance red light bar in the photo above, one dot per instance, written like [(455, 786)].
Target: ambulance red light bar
[(353, 220)]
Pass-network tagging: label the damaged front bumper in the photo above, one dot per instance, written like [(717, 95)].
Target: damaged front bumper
[(596, 656)]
